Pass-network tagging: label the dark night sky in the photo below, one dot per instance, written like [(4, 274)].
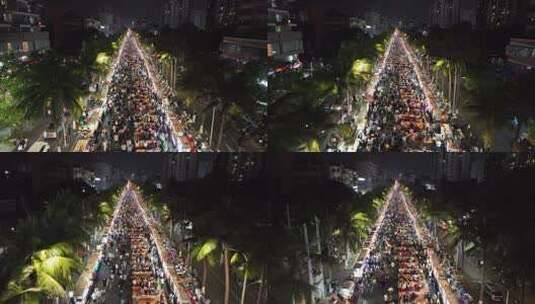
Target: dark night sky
[(123, 8), (417, 9)]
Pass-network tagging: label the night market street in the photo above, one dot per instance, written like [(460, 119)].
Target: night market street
[(402, 265), (392, 76), (146, 76), (135, 117), (362, 228), (403, 115), (136, 262)]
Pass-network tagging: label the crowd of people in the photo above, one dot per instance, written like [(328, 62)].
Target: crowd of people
[(398, 264), (182, 119), (399, 267), (134, 119), (179, 272), (399, 118), (132, 268)]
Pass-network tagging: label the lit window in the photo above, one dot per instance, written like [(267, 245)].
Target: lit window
[(25, 46)]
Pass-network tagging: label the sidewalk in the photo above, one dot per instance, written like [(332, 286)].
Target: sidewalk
[(85, 276)]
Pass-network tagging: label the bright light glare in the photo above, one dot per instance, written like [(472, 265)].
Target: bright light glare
[(361, 67), (102, 58)]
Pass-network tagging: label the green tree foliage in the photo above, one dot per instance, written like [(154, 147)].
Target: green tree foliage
[(49, 85), (494, 220), (41, 259)]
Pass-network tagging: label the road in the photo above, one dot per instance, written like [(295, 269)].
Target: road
[(403, 114), (138, 113), (135, 118), (401, 262), (136, 261)]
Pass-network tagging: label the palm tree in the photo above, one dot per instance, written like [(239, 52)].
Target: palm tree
[(50, 272), (49, 89), (356, 59), (47, 243), (95, 57), (311, 145), (236, 94), (352, 231), (296, 123), (441, 68), (207, 251)]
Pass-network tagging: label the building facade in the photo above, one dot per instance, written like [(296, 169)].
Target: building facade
[(248, 40), (223, 12), (242, 49), (284, 42), (495, 14), (183, 166), (21, 27), (445, 13), (455, 167), (178, 12), (529, 19), (251, 18), (521, 54)]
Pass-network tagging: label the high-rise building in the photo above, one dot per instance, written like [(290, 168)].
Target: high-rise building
[(248, 41), (495, 14), (284, 42), (241, 166), (172, 14), (468, 15), (66, 30), (529, 17), (185, 166), (251, 18), (178, 12), (521, 54), (455, 167), (445, 13), (223, 12), (21, 27), (198, 13), (107, 21)]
